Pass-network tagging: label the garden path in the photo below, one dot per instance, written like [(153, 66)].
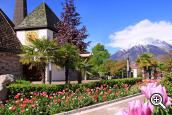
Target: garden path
[(110, 109)]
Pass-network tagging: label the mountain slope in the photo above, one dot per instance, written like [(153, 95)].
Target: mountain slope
[(156, 47)]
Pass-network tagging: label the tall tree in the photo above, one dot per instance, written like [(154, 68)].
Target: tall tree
[(68, 29), (98, 59)]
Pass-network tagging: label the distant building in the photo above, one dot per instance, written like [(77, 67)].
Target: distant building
[(134, 70)]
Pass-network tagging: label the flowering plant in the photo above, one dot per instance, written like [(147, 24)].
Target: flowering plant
[(64, 100), (140, 108)]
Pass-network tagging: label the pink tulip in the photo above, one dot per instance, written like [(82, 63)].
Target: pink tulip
[(146, 89), (160, 89), (153, 88), (137, 108)]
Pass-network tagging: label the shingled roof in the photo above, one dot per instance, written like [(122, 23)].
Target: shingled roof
[(41, 17), (8, 40)]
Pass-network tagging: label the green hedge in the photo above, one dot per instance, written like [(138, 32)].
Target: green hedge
[(22, 82), (25, 88)]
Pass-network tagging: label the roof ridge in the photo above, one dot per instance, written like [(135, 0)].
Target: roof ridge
[(13, 43), (45, 5), (48, 8), (7, 18)]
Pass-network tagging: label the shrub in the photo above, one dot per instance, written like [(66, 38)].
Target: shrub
[(167, 82), (25, 88)]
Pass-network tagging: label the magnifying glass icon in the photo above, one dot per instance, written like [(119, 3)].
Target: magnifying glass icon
[(156, 100)]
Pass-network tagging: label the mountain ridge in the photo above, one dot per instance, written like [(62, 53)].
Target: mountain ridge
[(155, 47)]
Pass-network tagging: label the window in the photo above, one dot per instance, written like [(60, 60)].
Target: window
[(0, 41), (1, 19)]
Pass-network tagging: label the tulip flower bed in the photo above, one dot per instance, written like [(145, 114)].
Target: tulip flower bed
[(25, 87), (138, 107), (46, 103)]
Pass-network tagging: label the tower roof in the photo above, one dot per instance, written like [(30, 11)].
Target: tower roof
[(8, 40), (41, 17)]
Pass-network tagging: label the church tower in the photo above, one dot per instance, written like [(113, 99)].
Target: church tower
[(20, 11)]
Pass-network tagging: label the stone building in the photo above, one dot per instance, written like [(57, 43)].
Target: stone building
[(9, 47), (40, 23)]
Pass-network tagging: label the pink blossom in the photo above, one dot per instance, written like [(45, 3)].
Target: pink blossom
[(146, 89), (153, 88), (137, 108), (61, 93)]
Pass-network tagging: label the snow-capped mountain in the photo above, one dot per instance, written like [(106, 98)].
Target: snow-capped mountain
[(153, 46)]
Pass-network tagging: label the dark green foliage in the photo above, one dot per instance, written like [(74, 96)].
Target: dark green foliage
[(68, 57), (160, 111), (167, 82), (26, 88), (166, 62)]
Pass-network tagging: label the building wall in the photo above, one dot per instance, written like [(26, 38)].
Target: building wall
[(135, 73), (58, 74), (9, 64), (41, 33)]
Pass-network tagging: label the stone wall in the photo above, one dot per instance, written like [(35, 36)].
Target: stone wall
[(9, 64)]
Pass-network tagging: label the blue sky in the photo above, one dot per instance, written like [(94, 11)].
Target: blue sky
[(105, 17)]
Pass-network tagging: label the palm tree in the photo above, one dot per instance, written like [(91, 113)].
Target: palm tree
[(39, 53), (146, 61), (68, 57)]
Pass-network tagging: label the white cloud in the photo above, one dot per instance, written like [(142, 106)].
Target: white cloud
[(142, 33)]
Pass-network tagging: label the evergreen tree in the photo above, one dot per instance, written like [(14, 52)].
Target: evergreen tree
[(68, 30)]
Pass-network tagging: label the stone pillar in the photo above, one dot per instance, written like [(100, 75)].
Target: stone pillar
[(135, 73)]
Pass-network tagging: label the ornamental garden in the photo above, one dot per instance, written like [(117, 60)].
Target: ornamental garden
[(64, 57)]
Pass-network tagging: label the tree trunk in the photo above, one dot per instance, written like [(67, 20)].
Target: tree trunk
[(79, 77), (67, 75), (155, 73), (122, 74), (42, 70), (85, 76), (149, 71), (143, 73), (43, 76)]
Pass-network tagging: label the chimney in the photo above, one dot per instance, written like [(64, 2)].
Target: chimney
[(20, 11)]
